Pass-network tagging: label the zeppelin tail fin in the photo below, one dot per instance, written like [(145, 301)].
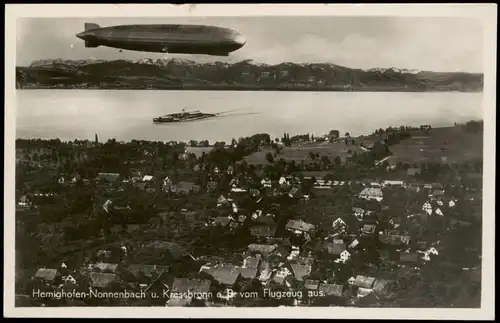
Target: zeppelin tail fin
[(89, 44), (89, 26)]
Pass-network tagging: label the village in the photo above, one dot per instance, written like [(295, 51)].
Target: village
[(153, 224)]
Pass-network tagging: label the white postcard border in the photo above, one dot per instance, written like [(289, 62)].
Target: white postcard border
[(485, 12)]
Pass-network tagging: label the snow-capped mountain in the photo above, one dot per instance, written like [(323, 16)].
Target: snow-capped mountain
[(246, 74), (394, 70)]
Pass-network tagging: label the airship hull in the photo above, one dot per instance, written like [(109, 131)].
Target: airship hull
[(179, 39)]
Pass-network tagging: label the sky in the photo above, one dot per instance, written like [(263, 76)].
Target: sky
[(450, 44)]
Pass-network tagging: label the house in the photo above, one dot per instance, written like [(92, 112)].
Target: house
[(364, 282), (266, 220), (413, 171), (430, 252), (282, 276), (221, 221), (212, 186), (70, 280), (300, 270), (439, 212), (339, 226), (263, 231), (299, 227), (366, 294), (345, 256), (151, 272), (47, 276), (294, 253), (108, 177), (394, 239), (368, 228), (184, 188), (191, 290), (221, 201), (102, 280), (393, 183), (225, 275), (358, 213), (371, 193), (234, 225), (294, 192), (147, 178), (335, 248), (438, 193), (24, 201), (252, 261), (311, 284), (266, 183), (266, 273), (104, 253), (266, 249), (331, 289), (105, 267), (248, 273), (238, 190), (427, 207), (172, 250), (166, 182), (413, 188), (374, 184), (354, 244)]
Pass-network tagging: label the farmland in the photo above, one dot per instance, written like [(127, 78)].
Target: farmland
[(447, 145), (442, 145)]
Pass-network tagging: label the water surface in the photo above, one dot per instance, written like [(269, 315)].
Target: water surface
[(127, 115)]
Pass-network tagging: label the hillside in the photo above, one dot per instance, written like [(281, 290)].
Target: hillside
[(446, 145), (245, 75)]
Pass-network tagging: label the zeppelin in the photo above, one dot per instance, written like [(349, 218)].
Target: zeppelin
[(175, 39)]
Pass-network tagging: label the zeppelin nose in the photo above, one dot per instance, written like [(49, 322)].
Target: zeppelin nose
[(239, 39)]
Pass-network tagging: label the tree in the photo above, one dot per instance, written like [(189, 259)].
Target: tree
[(270, 157), (325, 161), (334, 133), (347, 134)]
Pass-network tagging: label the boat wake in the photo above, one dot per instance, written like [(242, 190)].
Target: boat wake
[(218, 115)]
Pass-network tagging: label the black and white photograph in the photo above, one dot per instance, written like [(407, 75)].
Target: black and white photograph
[(265, 160)]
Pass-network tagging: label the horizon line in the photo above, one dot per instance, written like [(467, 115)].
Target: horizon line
[(456, 124)]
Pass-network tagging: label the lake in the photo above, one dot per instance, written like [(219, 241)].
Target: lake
[(126, 115)]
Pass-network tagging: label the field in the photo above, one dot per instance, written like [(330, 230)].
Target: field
[(448, 145), (198, 151), (302, 152)]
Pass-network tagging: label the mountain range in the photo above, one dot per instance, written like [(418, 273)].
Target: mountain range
[(175, 73)]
